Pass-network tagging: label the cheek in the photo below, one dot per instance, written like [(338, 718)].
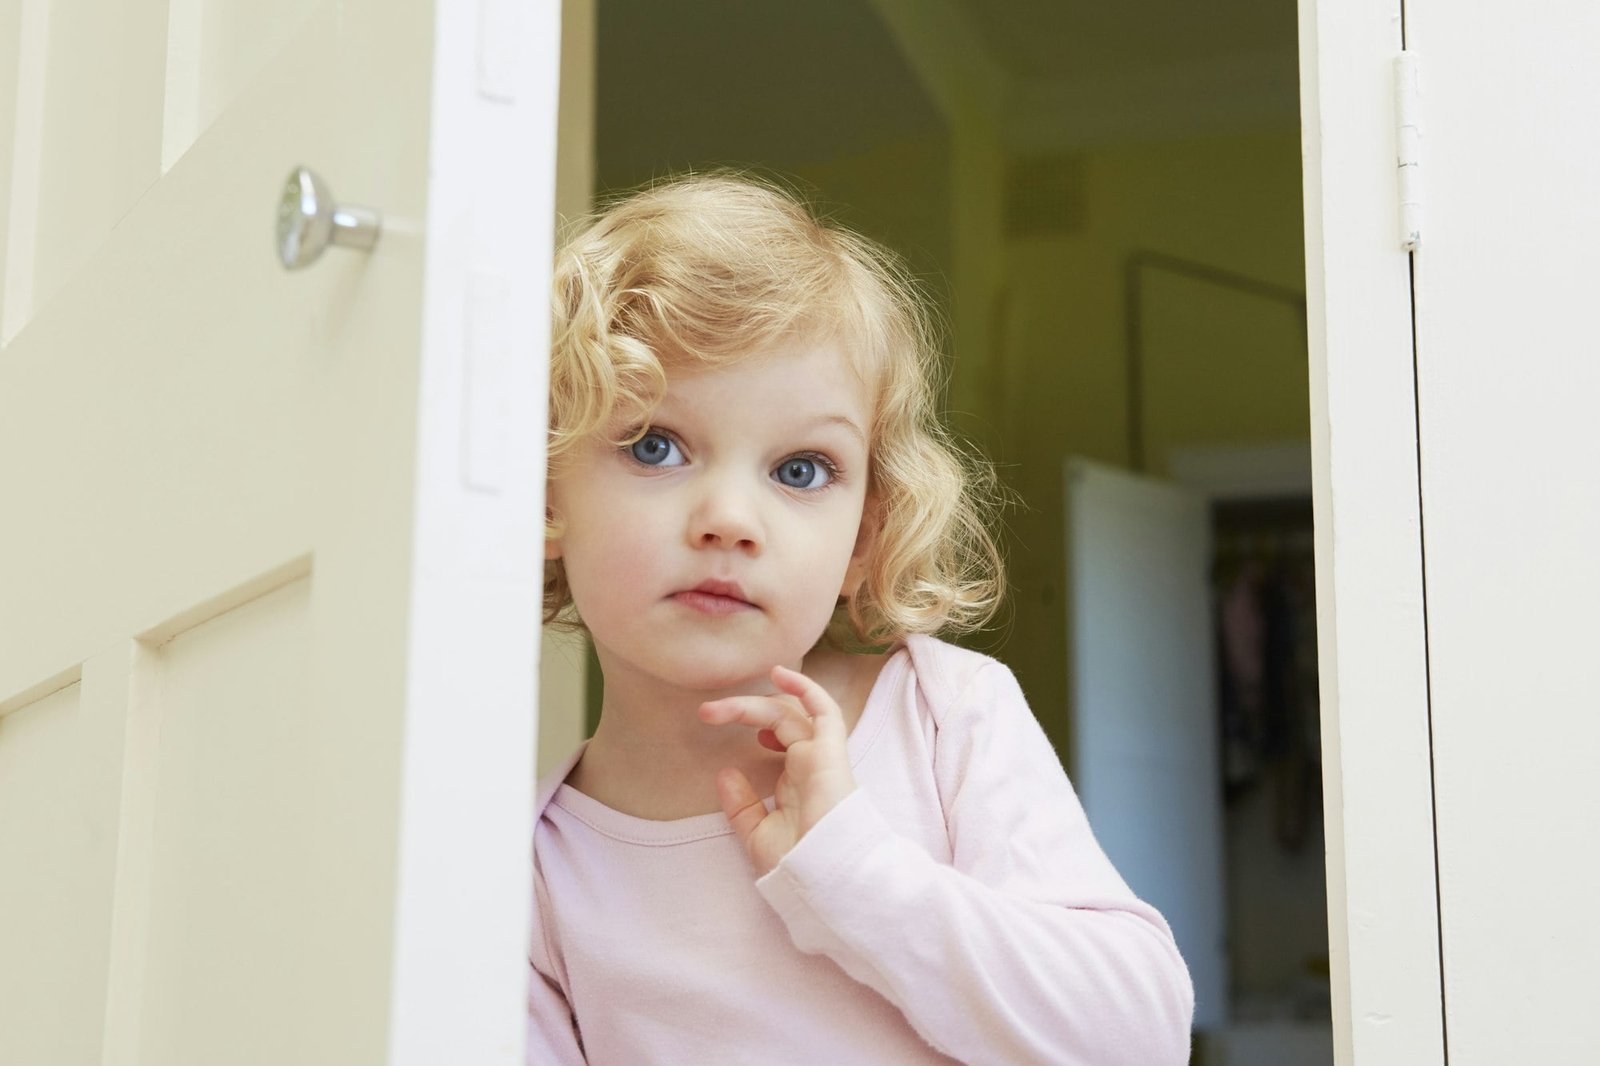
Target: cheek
[(832, 552), (612, 563)]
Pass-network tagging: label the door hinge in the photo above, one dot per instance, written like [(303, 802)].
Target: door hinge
[(1408, 147)]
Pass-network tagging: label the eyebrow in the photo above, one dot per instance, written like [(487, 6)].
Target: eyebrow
[(840, 420)]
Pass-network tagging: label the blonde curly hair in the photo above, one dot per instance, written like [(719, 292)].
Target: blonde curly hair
[(703, 270)]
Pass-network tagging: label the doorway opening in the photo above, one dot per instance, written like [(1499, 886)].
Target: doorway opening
[(1021, 156)]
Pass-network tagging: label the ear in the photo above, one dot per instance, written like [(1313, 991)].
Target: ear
[(861, 555), (552, 545)]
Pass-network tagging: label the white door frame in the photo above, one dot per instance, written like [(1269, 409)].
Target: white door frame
[(1383, 925)]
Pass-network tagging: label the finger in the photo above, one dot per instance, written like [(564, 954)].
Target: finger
[(826, 717), (740, 803), (768, 739), (780, 715)]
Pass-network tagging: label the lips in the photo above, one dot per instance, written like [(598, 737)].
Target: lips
[(730, 589), (715, 598)]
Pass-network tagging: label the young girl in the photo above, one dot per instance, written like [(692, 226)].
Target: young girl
[(777, 849)]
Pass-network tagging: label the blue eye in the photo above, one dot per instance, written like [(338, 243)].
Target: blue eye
[(799, 472), (656, 449)]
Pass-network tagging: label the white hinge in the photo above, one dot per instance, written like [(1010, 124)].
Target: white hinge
[(1408, 146)]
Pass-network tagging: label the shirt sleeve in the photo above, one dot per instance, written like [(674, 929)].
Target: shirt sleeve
[(1028, 947), (552, 1036)]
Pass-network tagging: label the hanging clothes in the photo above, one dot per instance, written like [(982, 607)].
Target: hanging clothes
[(1267, 688)]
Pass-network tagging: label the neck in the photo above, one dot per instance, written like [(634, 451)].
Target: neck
[(652, 757)]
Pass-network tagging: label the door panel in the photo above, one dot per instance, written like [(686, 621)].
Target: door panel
[(214, 50), (230, 769), (1508, 380), (268, 631), (52, 882)]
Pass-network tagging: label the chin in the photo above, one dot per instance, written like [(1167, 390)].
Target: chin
[(725, 668), (708, 678)]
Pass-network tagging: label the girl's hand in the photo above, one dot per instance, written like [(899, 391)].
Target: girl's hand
[(808, 727)]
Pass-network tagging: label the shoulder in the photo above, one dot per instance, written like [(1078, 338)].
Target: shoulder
[(951, 678), (552, 781), (543, 950)]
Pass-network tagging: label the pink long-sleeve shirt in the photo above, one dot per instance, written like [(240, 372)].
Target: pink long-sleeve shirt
[(954, 907)]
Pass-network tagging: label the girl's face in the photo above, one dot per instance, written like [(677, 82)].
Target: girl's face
[(717, 545)]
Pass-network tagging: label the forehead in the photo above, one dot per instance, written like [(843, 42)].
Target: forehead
[(795, 377)]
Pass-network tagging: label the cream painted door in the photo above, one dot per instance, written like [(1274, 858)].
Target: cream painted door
[(269, 567)]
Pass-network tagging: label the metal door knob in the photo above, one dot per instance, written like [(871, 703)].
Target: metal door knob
[(309, 220)]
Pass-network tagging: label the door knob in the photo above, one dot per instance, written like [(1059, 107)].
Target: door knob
[(309, 220)]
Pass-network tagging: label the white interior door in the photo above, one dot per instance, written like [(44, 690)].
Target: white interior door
[(1508, 387), (269, 567), (1144, 721)]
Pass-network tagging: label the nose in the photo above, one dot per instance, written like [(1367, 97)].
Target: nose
[(725, 515)]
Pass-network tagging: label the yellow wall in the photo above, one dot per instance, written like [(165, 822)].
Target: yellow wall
[(898, 193), (563, 657), (1221, 367)]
